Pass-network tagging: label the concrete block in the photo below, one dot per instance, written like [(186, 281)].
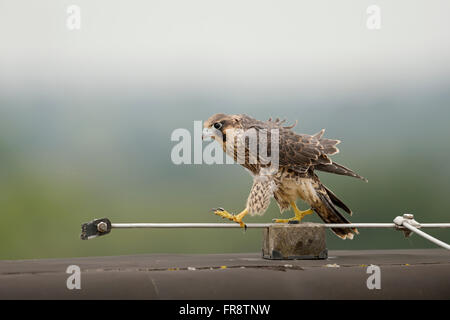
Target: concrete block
[(294, 241)]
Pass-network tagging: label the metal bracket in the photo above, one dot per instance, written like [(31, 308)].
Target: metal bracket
[(408, 218), (95, 228)]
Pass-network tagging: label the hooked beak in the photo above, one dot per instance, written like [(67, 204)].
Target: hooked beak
[(207, 134)]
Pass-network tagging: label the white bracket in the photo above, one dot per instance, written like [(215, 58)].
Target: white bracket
[(409, 218), (407, 221)]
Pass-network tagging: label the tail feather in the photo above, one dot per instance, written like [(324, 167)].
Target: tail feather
[(329, 214), (336, 201), (336, 168)]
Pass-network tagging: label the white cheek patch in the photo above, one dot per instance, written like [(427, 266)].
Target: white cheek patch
[(235, 142), (230, 133)]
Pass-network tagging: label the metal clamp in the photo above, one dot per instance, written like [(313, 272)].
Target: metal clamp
[(408, 218), (408, 222), (95, 228)]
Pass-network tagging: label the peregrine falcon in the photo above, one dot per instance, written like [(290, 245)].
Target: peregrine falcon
[(299, 155)]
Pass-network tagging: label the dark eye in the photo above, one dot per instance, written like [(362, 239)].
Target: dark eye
[(217, 125)]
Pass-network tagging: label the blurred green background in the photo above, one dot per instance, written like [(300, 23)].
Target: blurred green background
[(86, 117)]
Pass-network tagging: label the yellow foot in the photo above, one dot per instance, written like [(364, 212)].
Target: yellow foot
[(292, 220), (236, 218), (299, 215)]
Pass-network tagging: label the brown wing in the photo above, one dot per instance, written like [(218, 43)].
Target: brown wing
[(298, 152)]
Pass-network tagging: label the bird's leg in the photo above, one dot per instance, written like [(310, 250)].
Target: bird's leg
[(299, 214), (236, 218)]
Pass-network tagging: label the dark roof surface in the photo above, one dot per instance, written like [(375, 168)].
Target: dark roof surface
[(405, 274)]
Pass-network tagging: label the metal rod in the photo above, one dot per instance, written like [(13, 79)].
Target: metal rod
[(435, 225), (187, 225), (426, 236), (266, 225)]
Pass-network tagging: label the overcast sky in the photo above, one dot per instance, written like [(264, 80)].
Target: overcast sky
[(249, 45)]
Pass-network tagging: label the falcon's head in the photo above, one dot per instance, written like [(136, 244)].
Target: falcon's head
[(216, 126)]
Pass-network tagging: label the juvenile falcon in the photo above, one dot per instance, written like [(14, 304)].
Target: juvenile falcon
[(299, 155)]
